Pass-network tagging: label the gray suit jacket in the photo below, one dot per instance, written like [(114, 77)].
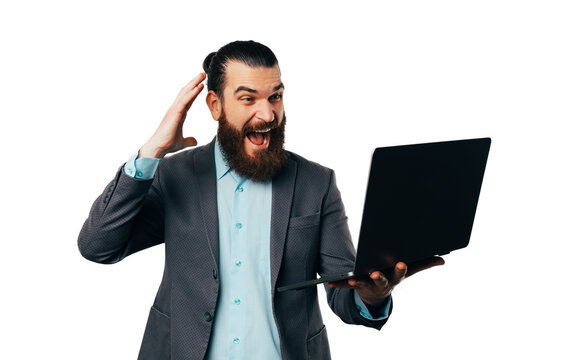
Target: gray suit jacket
[(309, 235)]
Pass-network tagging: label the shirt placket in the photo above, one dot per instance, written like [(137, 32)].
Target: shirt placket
[(236, 261)]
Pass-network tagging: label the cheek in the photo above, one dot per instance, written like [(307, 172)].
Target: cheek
[(240, 119), (237, 115), (280, 112)]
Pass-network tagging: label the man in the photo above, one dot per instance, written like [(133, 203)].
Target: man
[(239, 217)]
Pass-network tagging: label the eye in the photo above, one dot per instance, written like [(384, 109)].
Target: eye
[(276, 97), (246, 99)]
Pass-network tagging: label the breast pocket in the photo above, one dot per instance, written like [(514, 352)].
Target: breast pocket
[(304, 221), (301, 248)]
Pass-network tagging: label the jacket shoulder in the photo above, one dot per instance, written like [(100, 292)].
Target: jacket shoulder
[(308, 167), (181, 161)]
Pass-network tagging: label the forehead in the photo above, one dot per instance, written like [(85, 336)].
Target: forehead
[(257, 78)]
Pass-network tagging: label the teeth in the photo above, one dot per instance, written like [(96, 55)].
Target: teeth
[(263, 131), (265, 142)]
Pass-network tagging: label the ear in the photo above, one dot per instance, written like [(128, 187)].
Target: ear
[(214, 104)]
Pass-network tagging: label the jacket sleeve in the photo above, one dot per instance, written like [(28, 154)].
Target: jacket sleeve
[(127, 217), (337, 255)]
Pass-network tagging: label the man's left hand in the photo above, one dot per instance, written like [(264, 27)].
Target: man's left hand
[(377, 286)]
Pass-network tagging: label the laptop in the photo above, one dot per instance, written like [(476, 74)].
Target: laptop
[(420, 202)]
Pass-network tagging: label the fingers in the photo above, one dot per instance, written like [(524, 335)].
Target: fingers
[(379, 279), (350, 283), (340, 284), (399, 273), (193, 84), (190, 141), (195, 81), (381, 286), (189, 92), (168, 137), (373, 288)]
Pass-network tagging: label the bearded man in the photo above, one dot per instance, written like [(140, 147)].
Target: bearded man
[(239, 217)]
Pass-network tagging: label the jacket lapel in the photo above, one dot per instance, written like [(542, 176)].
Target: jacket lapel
[(205, 170), (283, 191)]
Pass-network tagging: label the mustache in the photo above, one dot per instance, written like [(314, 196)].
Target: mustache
[(247, 128)]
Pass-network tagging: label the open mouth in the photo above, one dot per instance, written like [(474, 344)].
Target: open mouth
[(259, 137)]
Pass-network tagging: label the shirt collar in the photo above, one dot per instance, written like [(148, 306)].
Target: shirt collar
[(222, 167)]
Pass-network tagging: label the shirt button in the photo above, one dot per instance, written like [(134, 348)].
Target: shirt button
[(238, 263), (240, 189), (238, 226), (214, 275), (236, 341), (208, 316), (237, 301), (139, 173)]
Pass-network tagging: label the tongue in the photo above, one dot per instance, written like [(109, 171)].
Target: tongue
[(256, 138)]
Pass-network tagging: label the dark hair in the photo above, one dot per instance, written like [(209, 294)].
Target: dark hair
[(249, 52)]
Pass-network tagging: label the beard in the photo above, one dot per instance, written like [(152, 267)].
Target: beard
[(266, 163)]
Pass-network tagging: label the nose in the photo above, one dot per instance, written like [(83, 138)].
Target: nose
[(265, 112)]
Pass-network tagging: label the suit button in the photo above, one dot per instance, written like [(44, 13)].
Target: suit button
[(208, 316), (214, 275)]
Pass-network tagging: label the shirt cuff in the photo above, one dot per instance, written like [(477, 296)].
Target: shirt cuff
[(143, 168), (381, 314)]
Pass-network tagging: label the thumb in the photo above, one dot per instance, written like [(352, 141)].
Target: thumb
[(189, 141)]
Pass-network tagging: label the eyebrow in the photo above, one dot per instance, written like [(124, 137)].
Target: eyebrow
[(278, 87), (253, 91)]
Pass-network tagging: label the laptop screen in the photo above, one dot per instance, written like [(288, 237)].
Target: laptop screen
[(420, 201)]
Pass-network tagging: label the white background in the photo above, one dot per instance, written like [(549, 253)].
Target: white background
[(84, 84)]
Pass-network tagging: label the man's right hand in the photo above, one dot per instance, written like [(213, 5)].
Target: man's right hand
[(168, 137)]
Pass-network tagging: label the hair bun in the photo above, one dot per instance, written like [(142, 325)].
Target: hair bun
[(208, 61)]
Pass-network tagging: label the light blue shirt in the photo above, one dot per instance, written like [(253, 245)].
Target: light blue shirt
[(244, 221), (244, 224)]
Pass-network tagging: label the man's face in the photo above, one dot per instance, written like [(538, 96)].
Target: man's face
[(252, 119)]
